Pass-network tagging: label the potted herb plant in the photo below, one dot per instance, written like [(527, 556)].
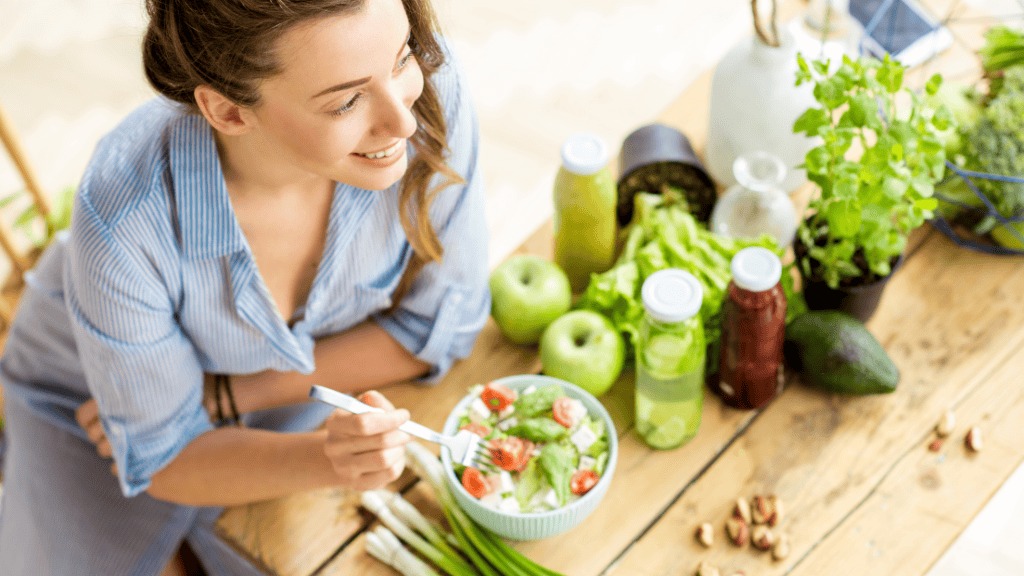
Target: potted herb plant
[(875, 174)]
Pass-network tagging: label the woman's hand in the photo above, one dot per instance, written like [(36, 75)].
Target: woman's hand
[(88, 417), (367, 451)]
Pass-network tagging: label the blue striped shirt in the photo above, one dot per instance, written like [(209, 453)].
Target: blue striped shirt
[(156, 284)]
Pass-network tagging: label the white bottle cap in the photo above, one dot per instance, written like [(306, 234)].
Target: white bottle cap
[(584, 153), (756, 269), (672, 295)]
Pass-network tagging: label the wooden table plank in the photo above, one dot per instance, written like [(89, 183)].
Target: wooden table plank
[(824, 455), (927, 499)]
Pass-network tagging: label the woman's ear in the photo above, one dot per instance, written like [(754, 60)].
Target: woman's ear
[(223, 114)]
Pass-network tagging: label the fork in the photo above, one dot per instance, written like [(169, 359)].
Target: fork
[(465, 447)]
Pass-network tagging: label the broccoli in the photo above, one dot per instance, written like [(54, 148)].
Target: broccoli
[(995, 144)]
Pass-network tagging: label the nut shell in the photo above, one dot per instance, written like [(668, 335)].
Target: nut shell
[(762, 537), (706, 535), (738, 531), (973, 439), (945, 425), (766, 510), (706, 569), (781, 548), (742, 511)]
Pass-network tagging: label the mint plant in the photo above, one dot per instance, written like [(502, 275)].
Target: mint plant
[(875, 170)]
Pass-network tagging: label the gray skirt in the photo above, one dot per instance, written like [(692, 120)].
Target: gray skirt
[(63, 514)]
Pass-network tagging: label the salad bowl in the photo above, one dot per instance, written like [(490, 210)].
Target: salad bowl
[(533, 525)]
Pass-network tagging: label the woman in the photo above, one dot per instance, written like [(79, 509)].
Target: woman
[(280, 212)]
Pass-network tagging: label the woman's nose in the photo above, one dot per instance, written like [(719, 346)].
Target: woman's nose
[(394, 117)]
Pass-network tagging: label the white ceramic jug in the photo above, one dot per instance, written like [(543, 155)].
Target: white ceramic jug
[(754, 104)]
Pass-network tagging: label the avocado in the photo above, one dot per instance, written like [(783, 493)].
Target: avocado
[(836, 352)]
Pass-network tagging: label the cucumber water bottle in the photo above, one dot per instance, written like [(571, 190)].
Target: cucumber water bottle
[(670, 360)]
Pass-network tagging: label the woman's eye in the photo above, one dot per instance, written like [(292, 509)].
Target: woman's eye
[(347, 106), (405, 60)]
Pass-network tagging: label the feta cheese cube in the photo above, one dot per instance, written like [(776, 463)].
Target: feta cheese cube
[(583, 438), (551, 498), (492, 500), (577, 410), (507, 411), (509, 505), (478, 410), (506, 483), (587, 463), (529, 390), (507, 423)]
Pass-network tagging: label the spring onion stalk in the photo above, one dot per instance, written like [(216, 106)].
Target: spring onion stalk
[(384, 546), (483, 547), (453, 566), (408, 513)]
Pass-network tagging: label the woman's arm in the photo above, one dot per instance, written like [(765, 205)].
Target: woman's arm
[(363, 357), (228, 466)]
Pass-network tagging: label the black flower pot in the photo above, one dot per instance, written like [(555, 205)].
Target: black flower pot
[(857, 301)]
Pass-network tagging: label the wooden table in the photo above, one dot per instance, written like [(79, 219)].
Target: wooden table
[(862, 492)]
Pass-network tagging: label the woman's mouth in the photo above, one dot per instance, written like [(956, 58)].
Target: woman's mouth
[(387, 152)]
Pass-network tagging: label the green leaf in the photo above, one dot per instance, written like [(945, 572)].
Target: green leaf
[(890, 75), (6, 200), (26, 217), (943, 118), (844, 218), (924, 187), (845, 188), (816, 160), (894, 188), (821, 67), (811, 122), (933, 84), (803, 73), (927, 204), (831, 93)]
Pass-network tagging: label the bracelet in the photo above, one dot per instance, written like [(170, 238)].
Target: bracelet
[(222, 383)]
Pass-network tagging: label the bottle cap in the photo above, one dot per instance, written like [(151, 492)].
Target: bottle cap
[(584, 153), (672, 295), (756, 269)]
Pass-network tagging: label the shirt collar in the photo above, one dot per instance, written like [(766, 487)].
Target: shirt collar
[(205, 217)]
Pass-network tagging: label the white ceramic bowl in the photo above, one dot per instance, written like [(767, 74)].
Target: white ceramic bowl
[(534, 526)]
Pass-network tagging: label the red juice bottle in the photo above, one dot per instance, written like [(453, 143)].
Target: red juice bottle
[(753, 331)]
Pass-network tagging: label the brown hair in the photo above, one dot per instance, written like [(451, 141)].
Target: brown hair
[(228, 45)]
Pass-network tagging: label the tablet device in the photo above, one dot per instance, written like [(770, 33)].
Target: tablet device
[(902, 28)]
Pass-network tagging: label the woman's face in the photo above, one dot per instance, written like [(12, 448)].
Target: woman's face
[(340, 108)]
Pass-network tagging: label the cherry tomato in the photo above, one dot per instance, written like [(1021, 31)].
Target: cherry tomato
[(497, 397), (477, 428), (474, 483), (524, 456), (508, 454), (582, 481), (565, 412)]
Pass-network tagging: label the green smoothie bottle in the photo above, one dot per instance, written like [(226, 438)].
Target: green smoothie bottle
[(670, 360), (585, 203)]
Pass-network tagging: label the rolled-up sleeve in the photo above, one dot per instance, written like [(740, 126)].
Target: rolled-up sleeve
[(140, 367), (448, 304)]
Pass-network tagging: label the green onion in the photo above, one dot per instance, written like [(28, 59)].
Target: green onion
[(384, 546), (452, 565), (489, 553)]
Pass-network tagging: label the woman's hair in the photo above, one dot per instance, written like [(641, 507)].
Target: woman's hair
[(228, 45)]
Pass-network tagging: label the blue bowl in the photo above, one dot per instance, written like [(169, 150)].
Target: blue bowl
[(534, 526)]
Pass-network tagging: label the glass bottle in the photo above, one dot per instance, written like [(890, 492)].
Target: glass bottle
[(756, 204), (585, 204), (670, 360), (753, 331)]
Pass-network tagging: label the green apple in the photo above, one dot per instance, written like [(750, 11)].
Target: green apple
[(583, 347), (527, 293)]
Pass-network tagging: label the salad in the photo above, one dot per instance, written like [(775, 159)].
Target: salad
[(546, 450)]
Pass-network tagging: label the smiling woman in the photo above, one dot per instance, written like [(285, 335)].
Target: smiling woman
[(277, 215)]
